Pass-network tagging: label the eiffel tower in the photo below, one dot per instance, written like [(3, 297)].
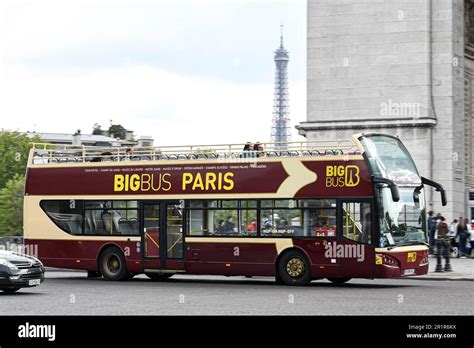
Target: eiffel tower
[(281, 131)]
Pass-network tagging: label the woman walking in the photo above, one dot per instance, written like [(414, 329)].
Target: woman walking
[(462, 233)]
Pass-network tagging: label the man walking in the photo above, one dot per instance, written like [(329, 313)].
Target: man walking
[(431, 230)]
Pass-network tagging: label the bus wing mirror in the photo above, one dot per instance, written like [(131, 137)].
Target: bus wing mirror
[(438, 188), (391, 185), (416, 194)]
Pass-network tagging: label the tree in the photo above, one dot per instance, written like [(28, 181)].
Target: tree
[(97, 129), (11, 206), (117, 131), (14, 149)]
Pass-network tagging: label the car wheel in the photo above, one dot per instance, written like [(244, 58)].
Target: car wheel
[(159, 276), (112, 264), (10, 290), (294, 269), (339, 280)]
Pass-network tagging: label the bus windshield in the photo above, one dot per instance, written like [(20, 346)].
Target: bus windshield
[(389, 159), (402, 222)]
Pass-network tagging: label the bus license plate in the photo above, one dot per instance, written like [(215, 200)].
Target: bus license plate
[(409, 271), (33, 282)]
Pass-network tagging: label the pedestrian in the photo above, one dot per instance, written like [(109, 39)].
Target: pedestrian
[(471, 240), (431, 230), (463, 234), (453, 228), (442, 245)]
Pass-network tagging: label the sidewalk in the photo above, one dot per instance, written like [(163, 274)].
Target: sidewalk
[(463, 269)]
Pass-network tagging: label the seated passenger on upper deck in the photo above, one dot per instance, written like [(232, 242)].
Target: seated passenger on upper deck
[(104, 157), (259, 149), (248, 151), (128, 155)]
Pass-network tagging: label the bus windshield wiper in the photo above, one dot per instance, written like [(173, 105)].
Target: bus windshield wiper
[(414, 242)]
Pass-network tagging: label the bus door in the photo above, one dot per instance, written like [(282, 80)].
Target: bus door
[(356, 252), (163, 236)]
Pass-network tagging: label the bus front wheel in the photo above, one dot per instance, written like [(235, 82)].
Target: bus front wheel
[(294, 269), (339, 280), (112, 264)]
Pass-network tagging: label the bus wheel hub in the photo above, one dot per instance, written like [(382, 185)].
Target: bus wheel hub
[(295, 267)]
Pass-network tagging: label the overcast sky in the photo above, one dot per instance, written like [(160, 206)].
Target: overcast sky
[(181, 71)]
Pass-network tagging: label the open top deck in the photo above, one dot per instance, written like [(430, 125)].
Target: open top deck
[(43, 153)]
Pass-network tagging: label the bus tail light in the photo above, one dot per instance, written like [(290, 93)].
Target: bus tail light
[(389, 260)]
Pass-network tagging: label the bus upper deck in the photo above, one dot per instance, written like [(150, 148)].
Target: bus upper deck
[(42, 153)]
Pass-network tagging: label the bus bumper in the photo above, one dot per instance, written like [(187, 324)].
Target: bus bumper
[(401, 264)]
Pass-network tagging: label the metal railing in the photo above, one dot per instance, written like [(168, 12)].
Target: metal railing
[(52, 153)]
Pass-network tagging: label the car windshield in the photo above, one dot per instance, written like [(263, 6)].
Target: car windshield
[(402, 222)]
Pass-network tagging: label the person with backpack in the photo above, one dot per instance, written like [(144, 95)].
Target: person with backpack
[(442, 245)]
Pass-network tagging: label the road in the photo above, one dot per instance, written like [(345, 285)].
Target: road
[(71, 293)]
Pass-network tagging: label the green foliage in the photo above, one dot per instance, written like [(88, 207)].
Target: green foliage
[(117, 131), (11, 206), (97, 130), (14, 149)]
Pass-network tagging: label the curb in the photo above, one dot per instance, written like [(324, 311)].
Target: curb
[(451, 279)]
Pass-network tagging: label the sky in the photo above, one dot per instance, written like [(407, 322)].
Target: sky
[(181, 71)]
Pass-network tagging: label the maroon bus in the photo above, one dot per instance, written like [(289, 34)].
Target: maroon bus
[(294, 211)]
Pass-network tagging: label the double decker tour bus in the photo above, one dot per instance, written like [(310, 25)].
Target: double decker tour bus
[(296, 211)]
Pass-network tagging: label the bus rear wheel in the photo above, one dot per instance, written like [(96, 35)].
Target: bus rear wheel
[(159, 276), (294, 269), (339, 280), (112, 264)]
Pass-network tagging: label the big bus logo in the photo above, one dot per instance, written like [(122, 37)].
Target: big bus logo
[(342, 176)]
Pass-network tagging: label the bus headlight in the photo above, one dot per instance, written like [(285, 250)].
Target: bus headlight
[(389, 260)]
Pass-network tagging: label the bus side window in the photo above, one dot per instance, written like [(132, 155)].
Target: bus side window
[(94, 223), (356, 221), (66, 214)]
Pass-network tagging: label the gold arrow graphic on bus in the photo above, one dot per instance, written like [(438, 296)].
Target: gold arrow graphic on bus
[(298, 177)]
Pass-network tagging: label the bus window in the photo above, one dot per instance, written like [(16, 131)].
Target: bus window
[(214, 218), (202, 204), (356, 221), (317, 203), (111, 218), (320, 222), (66, 214), (281, 222)]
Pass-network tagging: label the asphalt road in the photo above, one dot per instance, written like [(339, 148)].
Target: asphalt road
[(71, 293)]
